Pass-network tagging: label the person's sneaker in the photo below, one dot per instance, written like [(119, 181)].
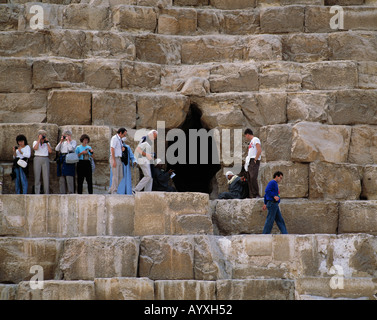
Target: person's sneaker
[(133, 191)]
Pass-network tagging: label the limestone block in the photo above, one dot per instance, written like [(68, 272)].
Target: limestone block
[(8, 291), (129, 18), (12, 211), (167, 257), (231, 5), (234, 77), (305, 47), (190, 2), (314, 141), (18, 255), (99, 139), (158, 49), (354, 107), (344, 2), (68, 43), (56, 73), (20, 44), (69, 107), (170, 108), (295, 181), (196, 86), (57, 290), (185, 290), (263, 47), (282, 19), (363, 145), (23, 107), (124, 289), (358, 217), (317, 19), (9, 132), (87, 258), (255, 289), (114, 109), (353, 45), (309, 106), (276, 142), (334, 181), (367, 74), (140, 76), (330, 75), (177, 21), (368, 183), (15, 75), (120, 215), (160, 213), (87, 17), (209, 21), (240, 22), (102, 74), (9, 17)]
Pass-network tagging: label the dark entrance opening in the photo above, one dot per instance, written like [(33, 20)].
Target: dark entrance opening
[(195, 177)]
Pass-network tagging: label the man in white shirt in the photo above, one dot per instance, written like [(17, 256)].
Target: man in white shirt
[(66, 171), (115, 159), (252, 162), (42, 149), (144, 157)]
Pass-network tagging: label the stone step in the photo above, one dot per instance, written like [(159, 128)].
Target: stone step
[(189, 257)]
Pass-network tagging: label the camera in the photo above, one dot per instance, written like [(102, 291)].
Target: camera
[(43, 137), (64, 137), (16, 147)]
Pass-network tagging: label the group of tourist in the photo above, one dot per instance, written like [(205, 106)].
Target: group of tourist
[(69, 154)]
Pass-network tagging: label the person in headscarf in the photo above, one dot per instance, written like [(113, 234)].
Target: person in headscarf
[(235, 187), (161, 178)]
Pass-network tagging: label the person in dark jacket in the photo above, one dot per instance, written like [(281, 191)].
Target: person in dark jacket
[(235, 187), (161, 177)]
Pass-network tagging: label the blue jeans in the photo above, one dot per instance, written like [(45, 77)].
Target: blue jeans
[(274, 214), (21, 181)]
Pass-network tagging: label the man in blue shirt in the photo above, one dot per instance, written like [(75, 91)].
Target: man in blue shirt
[(271, 203)]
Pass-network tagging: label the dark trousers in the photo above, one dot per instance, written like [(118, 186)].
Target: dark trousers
[(252, 173), (84, 170), (274, 214)]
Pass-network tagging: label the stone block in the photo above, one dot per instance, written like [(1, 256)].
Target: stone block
[(124, 289), (9, 132), (69, 107), (8, 291), (21, 44), (185, 290), (99, 139), (52, 16), (177, 21), (140, 76), (131, 18), (57, 290), (32, 106), (87, 258), (167, 257), (68, 43), (334, 181), (358, 217), (363, 145), (295, 181), (255, 289), (234, 77), (87, 17), (231, 5), (276, 142), (102, 74), (9, 17), (354, 107), (314, 141), (196, 86), (15, 75), (240, 22), (367, 74), (18, 255), (282, 19), (120, 215), (263, 47), (190, 2), (171, 108)]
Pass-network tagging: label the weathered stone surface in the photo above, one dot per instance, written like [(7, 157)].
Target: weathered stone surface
[(9, 132), (114, 109), (102, 74), (314, 141), (68, 43), (160, 213), (167, 257), (334, 181), (15, 75), (171, 108), (236, 4), (130, 18), (276, 142), (69, 107), (8, 291), (363, 145), (358, 217), (18, 255), (57, 290), (124, 289), (185, 290), (295, 181), (367, 74), (255, 289), (87, 17), (9, 17), (282, 19), (20, 44), (140, 76), (87, 258), (177, 21), (196, 86), (120, 215)]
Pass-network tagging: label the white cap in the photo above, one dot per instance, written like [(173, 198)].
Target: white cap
[(157, 161), (124, 138), (229, 173)]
